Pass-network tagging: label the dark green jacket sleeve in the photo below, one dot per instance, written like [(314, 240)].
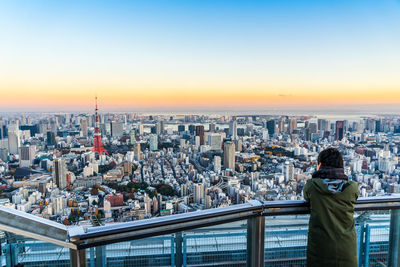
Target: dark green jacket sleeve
[(306, 191)]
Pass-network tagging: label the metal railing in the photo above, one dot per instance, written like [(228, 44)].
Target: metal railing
[(78, 238)]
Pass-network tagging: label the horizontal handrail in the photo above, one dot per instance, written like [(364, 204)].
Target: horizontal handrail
[(293, 207), (169, 224), (77, 237), (28, 225)]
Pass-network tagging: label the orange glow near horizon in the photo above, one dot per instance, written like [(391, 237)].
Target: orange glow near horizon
[(131, 99)]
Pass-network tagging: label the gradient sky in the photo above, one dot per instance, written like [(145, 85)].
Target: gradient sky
[(205, 55)]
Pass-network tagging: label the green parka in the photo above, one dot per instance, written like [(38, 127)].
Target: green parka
[(332, 237)]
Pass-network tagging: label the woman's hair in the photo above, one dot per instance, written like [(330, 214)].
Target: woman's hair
[(331, 157)]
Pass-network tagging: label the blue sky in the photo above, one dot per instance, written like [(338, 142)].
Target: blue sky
[(267, 47)]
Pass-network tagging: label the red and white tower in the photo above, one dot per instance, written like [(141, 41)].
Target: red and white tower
[(97, 144)]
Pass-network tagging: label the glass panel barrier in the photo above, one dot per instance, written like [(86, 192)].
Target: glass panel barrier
[(152, 251), (286, 240), (373, 247), (222, 245), (229, 244)]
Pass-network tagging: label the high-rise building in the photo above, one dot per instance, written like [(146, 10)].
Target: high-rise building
[(233, 129), (1, 130), (281, 125), (43, 127), (323, 125), (117, 129), (215, 141), (271, 127), (200, 133), (229, 155), (27, 155), (217, 164), (212, 127), (192, 129), (136, 150), (378, 125), (4, 154), (13, 139), (339, 130), (53, 125), (132, 138), (181, 128), (160, 127), (198, 193), (60, 173), (288, 171), (292, 125), (84, 127), (51, 139), (153, 142), (238, 145), (140, 128)]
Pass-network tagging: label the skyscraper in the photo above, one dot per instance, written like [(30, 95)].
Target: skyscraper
[(200, 133), (84, 127), (215, 141), (51, 139), (153, 142), (271, 127), (229, 155), (4, 154), (292, 125), (140, 128), (136, 150), (212, 127), (27, 155), (233, 129), (288, 171), (198, 193), (13, 139), (217, 164), (1, 130), (60, 173), (132, 135), (160, 127), (323, 125), (339, 130), (43, 126), (281, 126), (117, 129), (181, 128)]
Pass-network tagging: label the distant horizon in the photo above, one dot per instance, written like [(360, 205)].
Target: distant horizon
[(361, 110)]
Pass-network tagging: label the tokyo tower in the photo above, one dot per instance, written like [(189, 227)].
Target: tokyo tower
[(97, 144)]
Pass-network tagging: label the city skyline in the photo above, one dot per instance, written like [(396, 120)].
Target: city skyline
[(199, 56)]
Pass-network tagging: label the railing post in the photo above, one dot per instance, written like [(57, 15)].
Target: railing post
[(100, 260), (367, 244), (172, 250), (178, 249), (77, 257), (184, 249), (394, 239), (92, 257), (11, 254), (255, 241), (360, 244)]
